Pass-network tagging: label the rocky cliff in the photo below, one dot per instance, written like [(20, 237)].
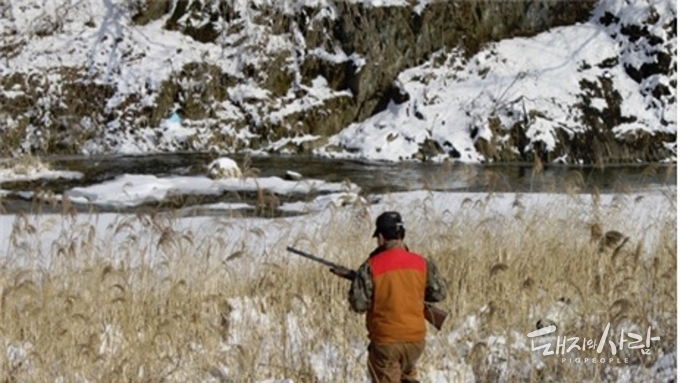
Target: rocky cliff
[(87, 77)]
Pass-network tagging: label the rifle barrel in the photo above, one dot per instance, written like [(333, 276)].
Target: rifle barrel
[(313, 258)]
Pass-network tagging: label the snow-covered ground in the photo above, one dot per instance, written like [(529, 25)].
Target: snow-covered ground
[(537, 80), (33, 171), (453, 102), (132, 190), (646, 207), (265, 240)]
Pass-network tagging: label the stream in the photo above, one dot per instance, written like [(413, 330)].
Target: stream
[(372, 177)]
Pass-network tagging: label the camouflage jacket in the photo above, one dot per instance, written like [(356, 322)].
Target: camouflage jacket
[(361, 290)]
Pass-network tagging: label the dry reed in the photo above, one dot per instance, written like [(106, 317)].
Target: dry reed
[(149, 301)]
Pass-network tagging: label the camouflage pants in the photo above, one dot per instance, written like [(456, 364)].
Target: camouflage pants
[(394, 362)]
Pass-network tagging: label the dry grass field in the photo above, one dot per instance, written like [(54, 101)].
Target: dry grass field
[(152, 302)]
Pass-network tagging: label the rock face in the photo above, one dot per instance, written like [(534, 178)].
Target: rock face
[(362, 49), (249, 73), (392, 39)]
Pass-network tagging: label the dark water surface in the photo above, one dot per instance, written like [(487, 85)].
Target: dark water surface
[(372, 177)]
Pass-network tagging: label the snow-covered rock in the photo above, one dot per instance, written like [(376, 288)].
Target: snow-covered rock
[(293, 176), (224, 168), (587, 81)]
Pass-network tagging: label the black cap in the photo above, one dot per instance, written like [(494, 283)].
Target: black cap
[(390, 225)]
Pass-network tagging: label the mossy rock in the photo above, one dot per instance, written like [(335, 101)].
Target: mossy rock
[(322, 120), (54, 103), (151, 10), (199, 19), (206, 86), (339, 75), (279, 76)]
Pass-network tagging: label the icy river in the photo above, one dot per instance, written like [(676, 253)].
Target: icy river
[(182, 177)]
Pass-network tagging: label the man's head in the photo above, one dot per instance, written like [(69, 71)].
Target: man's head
[(389, 226)]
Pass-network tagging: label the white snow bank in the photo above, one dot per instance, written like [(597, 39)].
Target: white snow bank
[(133, 189), (651, 210), (333, 200), (34, 171)]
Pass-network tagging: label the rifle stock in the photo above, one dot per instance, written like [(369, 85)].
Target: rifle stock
[(433, 314)]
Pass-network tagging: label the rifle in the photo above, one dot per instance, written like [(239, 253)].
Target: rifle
[(433, 314)]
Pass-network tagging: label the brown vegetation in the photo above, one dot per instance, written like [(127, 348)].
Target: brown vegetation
[(147, 300)]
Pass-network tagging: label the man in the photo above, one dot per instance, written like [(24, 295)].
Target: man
[(391, 287)]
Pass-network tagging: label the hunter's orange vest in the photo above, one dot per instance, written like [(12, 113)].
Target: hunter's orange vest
[(396, 314)]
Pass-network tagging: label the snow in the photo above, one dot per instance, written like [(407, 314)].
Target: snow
[(129, 190), (174, 130), (497, 211), (7, 175), (224, 168), (534, 80), (324, 202), (452, 99), (293, 175), (34, 170), (135, 189), (227, 206), (537, 80)]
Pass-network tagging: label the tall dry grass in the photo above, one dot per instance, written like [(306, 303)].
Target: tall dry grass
[(23, 165), (142, 298), (510, 276)]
